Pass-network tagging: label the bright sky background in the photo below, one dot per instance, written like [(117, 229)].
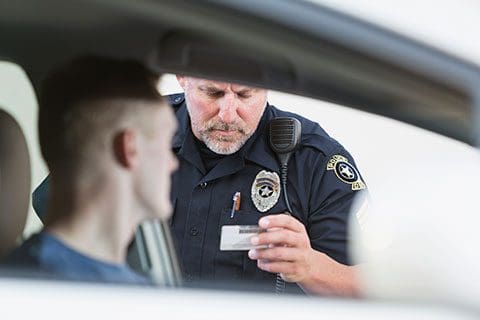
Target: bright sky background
[(452, 25)]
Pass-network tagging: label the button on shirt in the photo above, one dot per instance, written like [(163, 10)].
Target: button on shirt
[(202, 197)]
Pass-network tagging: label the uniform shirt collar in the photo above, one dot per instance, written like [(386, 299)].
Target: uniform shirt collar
[(183, 125)]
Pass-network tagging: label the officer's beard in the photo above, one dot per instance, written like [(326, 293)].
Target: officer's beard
[(211, 135)]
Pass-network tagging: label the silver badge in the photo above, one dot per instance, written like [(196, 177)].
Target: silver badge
[(265, 190)]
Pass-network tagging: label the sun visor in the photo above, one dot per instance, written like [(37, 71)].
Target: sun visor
[(197, 55)]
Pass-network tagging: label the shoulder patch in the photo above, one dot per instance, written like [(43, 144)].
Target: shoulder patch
[(345, 172)]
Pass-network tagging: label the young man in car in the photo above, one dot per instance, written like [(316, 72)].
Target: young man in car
[(222, 147), (105, 134)]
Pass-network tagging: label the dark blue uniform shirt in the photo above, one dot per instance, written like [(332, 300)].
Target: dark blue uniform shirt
[(322, 183), (320, 198)]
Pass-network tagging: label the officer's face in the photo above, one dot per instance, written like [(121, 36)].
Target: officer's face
[(223, 115)]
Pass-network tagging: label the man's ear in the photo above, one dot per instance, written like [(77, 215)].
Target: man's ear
[(125, 146)]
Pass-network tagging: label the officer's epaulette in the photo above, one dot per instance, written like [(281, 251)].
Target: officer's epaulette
[(313, 135), (175, 99), (322, 142)]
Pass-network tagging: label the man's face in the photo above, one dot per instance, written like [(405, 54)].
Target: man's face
[(223, 115), (158, 163)]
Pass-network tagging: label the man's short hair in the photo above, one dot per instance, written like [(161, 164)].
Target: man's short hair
[(85, 100)]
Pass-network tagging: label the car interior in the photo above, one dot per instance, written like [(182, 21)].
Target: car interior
[(14, 182), (318, 53)]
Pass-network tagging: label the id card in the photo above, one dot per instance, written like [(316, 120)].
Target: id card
[(237, 238)]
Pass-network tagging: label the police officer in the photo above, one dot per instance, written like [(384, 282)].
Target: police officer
[(223, 150)]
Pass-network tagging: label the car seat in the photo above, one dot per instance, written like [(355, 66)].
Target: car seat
[(14, 182)]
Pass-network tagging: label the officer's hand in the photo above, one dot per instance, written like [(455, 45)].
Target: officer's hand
[(289, 252)]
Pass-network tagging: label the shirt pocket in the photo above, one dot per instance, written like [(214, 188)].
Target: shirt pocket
[(231, 264), (240, 217)]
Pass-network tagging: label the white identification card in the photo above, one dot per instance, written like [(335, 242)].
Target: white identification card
[(237, 238)]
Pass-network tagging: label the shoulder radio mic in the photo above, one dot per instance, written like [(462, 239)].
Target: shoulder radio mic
[(284, 138)]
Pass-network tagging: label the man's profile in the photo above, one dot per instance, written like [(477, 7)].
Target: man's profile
[(105, 134)]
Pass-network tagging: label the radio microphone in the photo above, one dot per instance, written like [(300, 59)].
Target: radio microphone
[(284, 137)]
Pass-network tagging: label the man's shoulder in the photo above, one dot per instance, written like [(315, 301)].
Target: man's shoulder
[(28, 254), (41, 250), (45, 256), (175, 100), (313, 135)]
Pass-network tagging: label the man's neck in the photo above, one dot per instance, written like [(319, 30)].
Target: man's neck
[(209, 158), (96, 227)]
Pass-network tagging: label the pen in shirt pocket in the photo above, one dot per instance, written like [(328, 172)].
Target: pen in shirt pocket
[(236, 203)]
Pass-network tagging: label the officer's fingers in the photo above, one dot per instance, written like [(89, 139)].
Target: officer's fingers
[(281, 221), (275, 254), (285, 268), (278, 237)]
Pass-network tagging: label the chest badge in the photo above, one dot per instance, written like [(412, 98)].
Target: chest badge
[(265, 190), (345, 172)]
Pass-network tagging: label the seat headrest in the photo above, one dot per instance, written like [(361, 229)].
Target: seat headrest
[(14, 182)]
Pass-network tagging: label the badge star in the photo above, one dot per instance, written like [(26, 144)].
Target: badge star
[(265, 191), (346, 171)]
